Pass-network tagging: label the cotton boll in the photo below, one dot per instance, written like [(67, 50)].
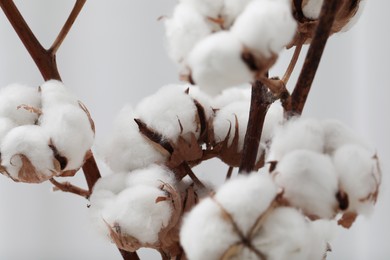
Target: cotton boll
[(273, 119), (113, 183), (70, 131), (225, 119), (337, 134), (205, 233), (170, 111), (153, 175), (138, 215), (6, 125), (29, 141), (283, 236), (203, 99), (296, 134), (54, 93), (206, 8), (126, 149), (360, 176), (232, 9), (265, 26), (231, 95), (15, 95), (309, 181), (183, 30), (216, 63), (321, 232), (311, 8), (246, 198)]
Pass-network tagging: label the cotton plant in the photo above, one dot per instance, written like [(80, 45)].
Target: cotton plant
[(299, 180)]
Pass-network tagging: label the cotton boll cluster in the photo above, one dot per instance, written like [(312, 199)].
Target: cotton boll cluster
[(224, 43), (136, 208), (45, 132), (324, 169), (244, 221)]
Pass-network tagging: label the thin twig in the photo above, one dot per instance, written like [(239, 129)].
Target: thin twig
[(260, 102), (128, 255), (297, 100), (192, 175), (68, 187), (229, 173), (67, 26), (293, 61)]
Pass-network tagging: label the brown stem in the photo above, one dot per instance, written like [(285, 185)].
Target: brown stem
[(192, 175), (229, 173), (293, 61), (91, 172), (128, 255), (260, 102), (67, 26), (297, 100), (68, 187)]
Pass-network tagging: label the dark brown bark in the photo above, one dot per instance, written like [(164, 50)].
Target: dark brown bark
[(129, 255), (260, 101), (296, 102)]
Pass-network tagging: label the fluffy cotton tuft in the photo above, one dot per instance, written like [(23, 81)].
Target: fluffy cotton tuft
[(211, 9), (232, 9), (169, 109), (216, 63), (360, 176), (29, 141), (273, 120), (137, 214), (126, 149), (54, 93), (153, 175), (231, 95), (183, 30), (15, 95), (296, 134), (265, 26), (311, 8), (6, 125), (309, 182)]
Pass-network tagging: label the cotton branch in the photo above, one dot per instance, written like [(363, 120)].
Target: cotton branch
[(260, 102), (297, 100)]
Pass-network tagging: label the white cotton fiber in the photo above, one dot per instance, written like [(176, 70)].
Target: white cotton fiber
[(298, 133), (54, 93), (33, 143), (183, 30), (225, 119), (138, 215), (231, 95), (70, 131), (232, 9), (153, 175), (167, 110), (309, 181), (6, 125), (216, 63), (284, 236), (265, 26), (273, 120), (311, 8), (15, 95), (126, 149), (321, 232), (206, 8), (203, 99), (206, 233), (336, 134), (360, 176), (246, 198)]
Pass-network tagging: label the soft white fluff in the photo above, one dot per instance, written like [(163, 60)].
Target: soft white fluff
[(206, 8), (312, 9), (202, 98), (337, 134), (216, 63), (284, 235), (54, 93), (231, 95), (183, 30), (265, 26), (232, 9), (6, 125), (309, 181), (225, 119), (321, 232), (153, 175), (32, 142), (138, 215), (246, 198), (70, 131), (15, 95), (359, 176), (273, 120), (126, 149), (205, 233), (298, 133), (166, 109)]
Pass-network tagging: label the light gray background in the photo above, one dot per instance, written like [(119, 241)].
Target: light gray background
[(115, 54)]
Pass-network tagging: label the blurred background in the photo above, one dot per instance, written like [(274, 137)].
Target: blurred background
[(115, 54)]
